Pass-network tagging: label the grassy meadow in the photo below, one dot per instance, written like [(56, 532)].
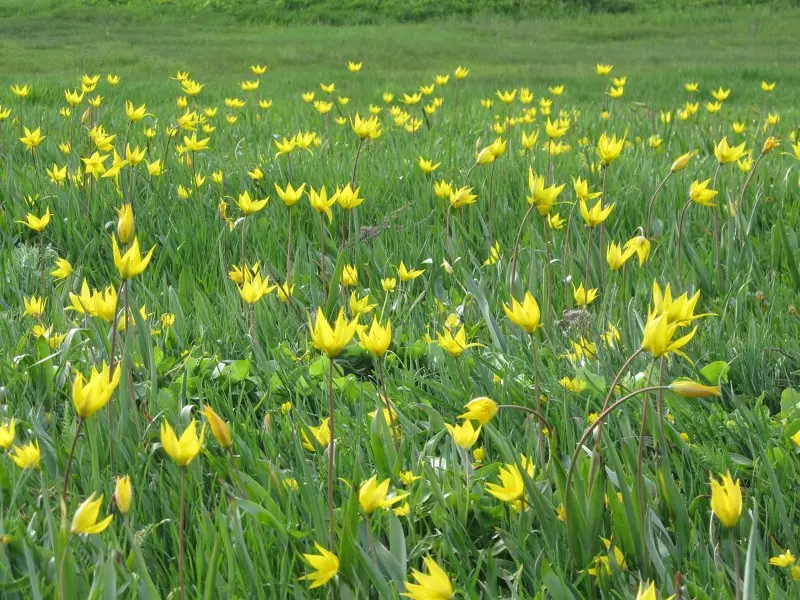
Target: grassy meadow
[(592, 299)]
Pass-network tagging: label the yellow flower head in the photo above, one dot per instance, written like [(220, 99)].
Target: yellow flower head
[(321, 433), (123, 493), (691, 389), (320, 202), (349, 276), (218, 427), (27, 456), (85, 520), (183, 450), (331, 340), (525, 315), (34, 306), (7, 433), (433, 586), (377, 339), (132, 263), (406, 275), (89, 397), (289, 195), (583, 297), (125, 223), (249, 206), (727, 154), (609, 148), (325, 565), (37, 223), (373, 495), (464, 435), (480, 409), (726, 500), (455, 345), (597, 214)]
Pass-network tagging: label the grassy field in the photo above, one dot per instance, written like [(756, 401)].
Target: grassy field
[(592, 505)]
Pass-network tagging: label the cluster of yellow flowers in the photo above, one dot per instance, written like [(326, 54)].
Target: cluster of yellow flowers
[(583, 215)]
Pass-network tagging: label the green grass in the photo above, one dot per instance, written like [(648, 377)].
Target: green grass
[(250, 544)]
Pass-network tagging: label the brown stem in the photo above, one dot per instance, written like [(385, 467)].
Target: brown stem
[(537, 394), (680, 237), (652, 201), (41, 261), (355, 165), (395, 436), (586, 285), (491, 203), (331, 451), (574, 459), (181, 524), (735, 552), (289, 254), (69, 462), (513, 275), (602, 232)]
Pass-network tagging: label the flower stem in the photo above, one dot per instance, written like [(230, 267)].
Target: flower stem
[(735, 552), (392, 424), (181, 524), (680, 236), (69, 462), (652, 201), (331, 464)]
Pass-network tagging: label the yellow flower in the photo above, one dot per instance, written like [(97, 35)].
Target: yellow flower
[(125, 223), (701, 194), (155, 168), (406, 275), (408, 477), (462, 196), (331, 340), (388, 284), (555, 222), (348, 198), (249, 206), (57, 175), (373, 495), (349, 276), (360, 306), (131, 263), (658, 334), (609, 149), (123, 493), (258, 69), (218, 426), (34, 306), (253, 288), (769, 145), (37, 223), (581, 187), (20, 91), (32, 139), (525, 315), (427, 166), (461, 73), (615, 257), (583, 297), (182, 450), (597, 214), (480, 409), (787, 559), (506, 96), (726, 500), (89, 397), (433, 586), (289, 195), (602, 69), (403, 510), (194, 145), (354, 67), (27, 456), (256, 174), (322, 435), (464, 435), (7, 432), (529, 141), (692, 87), (366, 128), (616, 92), (691, 389), (135, 114), (325, 565), (646, 592), (727, 154), (721, 95), (542, 196), (511, 488), (85, 520), (320, 202), (455, 345), (680, 163), (555, 130), (377, 340), (639, 245)]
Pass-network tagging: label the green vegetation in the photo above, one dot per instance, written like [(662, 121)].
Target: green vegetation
[(253, 511)]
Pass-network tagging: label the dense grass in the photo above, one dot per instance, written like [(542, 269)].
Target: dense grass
[(247, 526)]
